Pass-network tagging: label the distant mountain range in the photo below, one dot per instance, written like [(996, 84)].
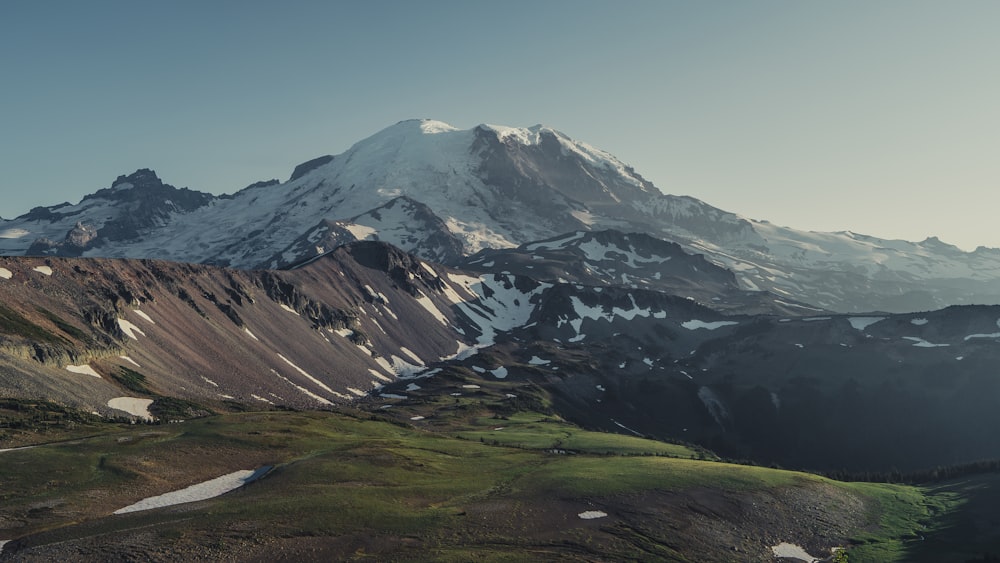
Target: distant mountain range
[(445, 194)]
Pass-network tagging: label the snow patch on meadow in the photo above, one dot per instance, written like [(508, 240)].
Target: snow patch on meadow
[(45, 270), (201, 491), (592, 514), (6, 274)]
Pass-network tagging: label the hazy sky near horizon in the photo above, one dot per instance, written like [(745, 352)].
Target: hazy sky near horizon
[(876, 117)]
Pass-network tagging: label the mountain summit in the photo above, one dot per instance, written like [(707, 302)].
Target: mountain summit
[(444, 193)]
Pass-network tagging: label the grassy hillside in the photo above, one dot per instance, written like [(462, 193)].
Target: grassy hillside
[(346, 486)]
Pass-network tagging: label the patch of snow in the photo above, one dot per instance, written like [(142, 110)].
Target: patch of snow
[(43, 270), (130, 360), (714, 405), (861, 323), (791, 551), (402, 368), (431, 308), (361, 232), (960, 358), (478, 369), (379, 375), (132, 405), (499, 373), (787, 304), (695, 324), (592, 514), (392, 396), (209, 381), (356, 391), (418, 417), (261, 399), (303, 390), (130, 329), (816, 319), (6, 274), (991, 335), (620, 425), (14, 233), (600, 388), (84, 370), (406, 351), (412, 387), (921, 343), (21, 448), (201, 491), (289, 309), (250, 334), (558, 243), (311, 378), (427, 268), (471, 386), (919, 322), (143, 316), (536, 361)]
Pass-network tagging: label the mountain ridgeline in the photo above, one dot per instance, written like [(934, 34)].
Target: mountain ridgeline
[(445, 194)]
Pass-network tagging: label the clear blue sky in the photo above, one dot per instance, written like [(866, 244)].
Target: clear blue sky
[(877, 117)]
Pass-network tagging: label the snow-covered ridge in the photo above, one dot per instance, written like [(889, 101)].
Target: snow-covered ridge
[(492, 186)]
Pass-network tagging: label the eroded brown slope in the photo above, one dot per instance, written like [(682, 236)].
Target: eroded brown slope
[(324, 333)]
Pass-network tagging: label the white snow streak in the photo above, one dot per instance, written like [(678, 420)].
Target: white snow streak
[(144, 316), (130, 329), (201, 491), (311, 378), (84, 370), (695, 324), (592, 514)]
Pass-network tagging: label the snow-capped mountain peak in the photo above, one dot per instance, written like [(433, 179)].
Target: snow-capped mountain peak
[(441, 191)]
